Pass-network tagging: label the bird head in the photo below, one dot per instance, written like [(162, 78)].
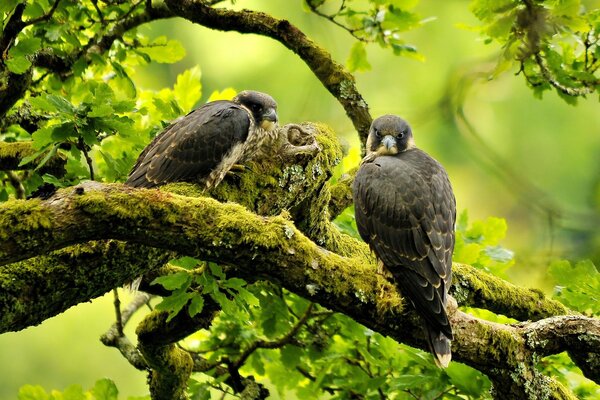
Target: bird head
[(389, 135), (262, 107)]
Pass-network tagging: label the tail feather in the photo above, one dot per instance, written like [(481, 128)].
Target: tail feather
[(439, 345)]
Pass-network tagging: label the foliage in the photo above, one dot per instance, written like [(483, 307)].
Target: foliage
[(329, 353), (374, 21), (577, 286), (90, 110), (553, 43), (104, 389), (478, 244)]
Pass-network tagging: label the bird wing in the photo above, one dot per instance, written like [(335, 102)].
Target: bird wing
[(405, 211), (192, 146)]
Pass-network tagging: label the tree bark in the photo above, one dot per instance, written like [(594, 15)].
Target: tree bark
[(338, 272)]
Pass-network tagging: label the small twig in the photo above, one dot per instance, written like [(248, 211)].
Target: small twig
[(44, 17), (331, 18), (117, 303), (263, 344), (114, 337), (98, 10), (83, 147), (570, 91)]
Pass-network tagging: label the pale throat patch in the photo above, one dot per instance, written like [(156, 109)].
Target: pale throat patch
[(268, 125), (384, 151)]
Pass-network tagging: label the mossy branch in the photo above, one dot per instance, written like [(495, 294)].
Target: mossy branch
[(267, 247), (309, 257)]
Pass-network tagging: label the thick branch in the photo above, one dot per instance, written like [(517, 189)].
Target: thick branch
[(34, 290), (170, 365), (474, 288), (254, 246), (333, 76)]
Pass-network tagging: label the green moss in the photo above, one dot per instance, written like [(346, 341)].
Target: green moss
[(15, 149), (19, 216), (478, 288), (139, 206), (184, 189)]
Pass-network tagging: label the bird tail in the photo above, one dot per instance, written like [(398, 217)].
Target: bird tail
[(439, 345)]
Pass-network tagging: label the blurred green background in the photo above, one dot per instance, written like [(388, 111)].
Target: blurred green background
[(535, 163)]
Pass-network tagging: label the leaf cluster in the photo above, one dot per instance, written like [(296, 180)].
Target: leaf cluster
[(374, 21), (553, 43)]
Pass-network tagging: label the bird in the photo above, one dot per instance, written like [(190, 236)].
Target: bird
[(204, 145), (405, 210)]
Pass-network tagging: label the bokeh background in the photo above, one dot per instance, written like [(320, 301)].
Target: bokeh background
[(534, 162)]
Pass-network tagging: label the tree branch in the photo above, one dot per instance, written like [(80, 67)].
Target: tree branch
[(340, 275), (256, 246), (340, 83)]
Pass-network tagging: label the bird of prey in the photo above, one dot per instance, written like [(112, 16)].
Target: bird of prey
[(405, 210), (206, 143)]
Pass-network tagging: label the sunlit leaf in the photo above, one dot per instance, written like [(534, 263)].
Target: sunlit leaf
[(357, 61), (105, 389), (188, 89)]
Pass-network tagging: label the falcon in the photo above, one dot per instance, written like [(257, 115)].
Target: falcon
[(405, 210), (205, 144)]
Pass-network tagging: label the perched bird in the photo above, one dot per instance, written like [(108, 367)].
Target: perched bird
[(405, 210), (205, 144)]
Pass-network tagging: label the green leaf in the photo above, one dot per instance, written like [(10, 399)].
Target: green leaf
[(42, 137), (64, 131), (117, 167), (105, 389), (409, 381), (47, 157), (577, 286), (7, 5), (42, 103), (18, 64), (357, 61), (174, 303), (30, 392), (196, 305), (499, 253), (61, 104), (30, 158), (188, 89), (227, 305), (27, 46), (174, 281), (216, 270), (164, 51), (101, 110), (290, 356), (34, 10), (73, 392), (468, 380), (185, 262)]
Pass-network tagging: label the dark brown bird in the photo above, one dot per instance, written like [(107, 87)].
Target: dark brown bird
[(405, 210), (206, 143)]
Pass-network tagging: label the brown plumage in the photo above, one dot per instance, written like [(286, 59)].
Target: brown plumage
[(206, 143), (405, 210)]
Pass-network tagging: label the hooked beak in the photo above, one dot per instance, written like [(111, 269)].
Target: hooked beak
[(269, 120), (388, 141), (270, 115)]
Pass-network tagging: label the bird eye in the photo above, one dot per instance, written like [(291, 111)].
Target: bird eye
[(401, 134), (377, 132)]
